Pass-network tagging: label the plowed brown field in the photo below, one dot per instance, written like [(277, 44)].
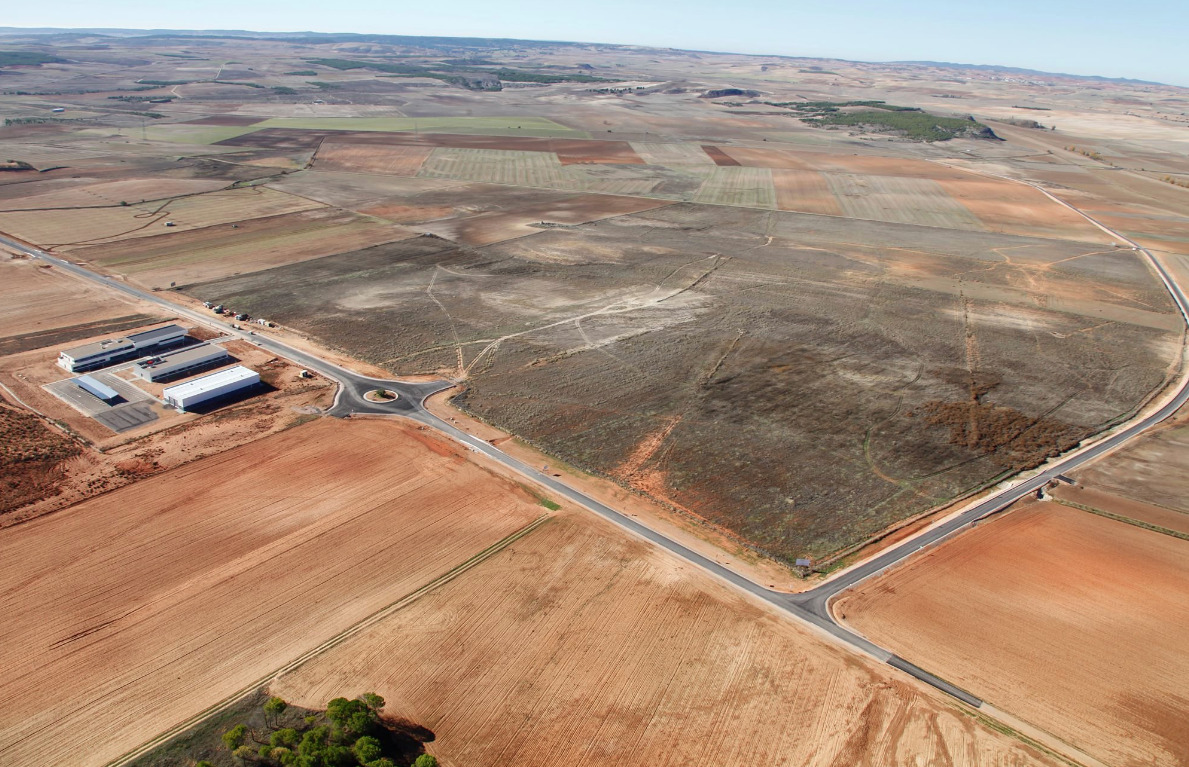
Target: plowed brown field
[(578, 645), (128, 613), (371, 158), (34, 299), (805, 191), (1071, 621)]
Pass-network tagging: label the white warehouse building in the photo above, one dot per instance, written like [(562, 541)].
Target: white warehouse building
[(179, 363), (110, 351), (187, 395)]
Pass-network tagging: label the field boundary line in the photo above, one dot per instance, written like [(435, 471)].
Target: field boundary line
[(1119, 518), (334, 641)]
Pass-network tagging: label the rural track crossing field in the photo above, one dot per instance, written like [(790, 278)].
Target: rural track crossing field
[(811, 607)]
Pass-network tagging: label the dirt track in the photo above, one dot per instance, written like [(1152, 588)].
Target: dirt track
[(1072, 621), (130, 612), (580, 646)]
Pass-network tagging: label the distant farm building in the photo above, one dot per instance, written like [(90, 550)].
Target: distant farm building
[(111, 351), (97, 389), (191, 393), (179, 363)]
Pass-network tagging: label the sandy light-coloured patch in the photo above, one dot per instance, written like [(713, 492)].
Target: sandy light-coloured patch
[(144, 606), (1072, 621)]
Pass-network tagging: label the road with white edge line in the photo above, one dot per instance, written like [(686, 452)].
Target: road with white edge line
[(812, 606)]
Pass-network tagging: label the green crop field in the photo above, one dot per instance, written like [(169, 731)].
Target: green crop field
[(193, 134), (750, 187), (496, 126)]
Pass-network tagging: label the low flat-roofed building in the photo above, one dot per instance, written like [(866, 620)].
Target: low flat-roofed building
[(187, 360), (162, 337), (224, 382), (97, 388), (111, 351)]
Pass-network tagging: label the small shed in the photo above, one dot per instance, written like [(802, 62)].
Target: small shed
[(804, 563), (97, 388)]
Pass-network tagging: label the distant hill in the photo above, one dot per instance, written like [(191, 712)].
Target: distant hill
[(1021, 71), (315, 38)]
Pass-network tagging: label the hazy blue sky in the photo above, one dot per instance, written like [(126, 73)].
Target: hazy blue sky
[(1140, 38)]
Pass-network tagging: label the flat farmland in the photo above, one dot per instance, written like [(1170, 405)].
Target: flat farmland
[(671, 154), (1152, 470), (1019, 209), (495, 166), (223, 250), (803, 382), (108, 193), (371, 158), (1096, 652), (39, 301), (62, 228), (901, 200), (507, 126), (579, 645), (750, 187), (146, 605), (486, 228), (805, 191)]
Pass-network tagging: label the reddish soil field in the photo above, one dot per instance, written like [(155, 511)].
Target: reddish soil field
[(720, 157), (142, 607), (371, 158), (752, 157), (487, 228), (579, 645), (1069, 620), (1018, 209), (1125, 507), (805, 191)]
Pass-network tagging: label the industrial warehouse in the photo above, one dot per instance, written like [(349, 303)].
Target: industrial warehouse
[(182, 362), (186, 395), (110, 351)]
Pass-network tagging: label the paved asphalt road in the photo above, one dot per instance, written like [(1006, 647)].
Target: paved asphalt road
[(811, 607)]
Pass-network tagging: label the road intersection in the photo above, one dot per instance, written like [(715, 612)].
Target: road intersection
[(811, 607)]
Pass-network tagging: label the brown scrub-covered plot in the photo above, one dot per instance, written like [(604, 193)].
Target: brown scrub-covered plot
[(579, 645), (144, 606), (1069, 620), (801, 381)]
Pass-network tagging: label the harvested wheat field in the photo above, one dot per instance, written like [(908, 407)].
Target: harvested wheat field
[(223, 250), (36, 299), (144, 606), (89, 226), (1069, 620), (112, 193), (578, 645)]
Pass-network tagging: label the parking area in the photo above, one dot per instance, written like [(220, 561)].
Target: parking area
[(133, 407)]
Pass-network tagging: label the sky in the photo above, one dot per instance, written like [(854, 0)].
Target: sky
[(1142, 39)]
